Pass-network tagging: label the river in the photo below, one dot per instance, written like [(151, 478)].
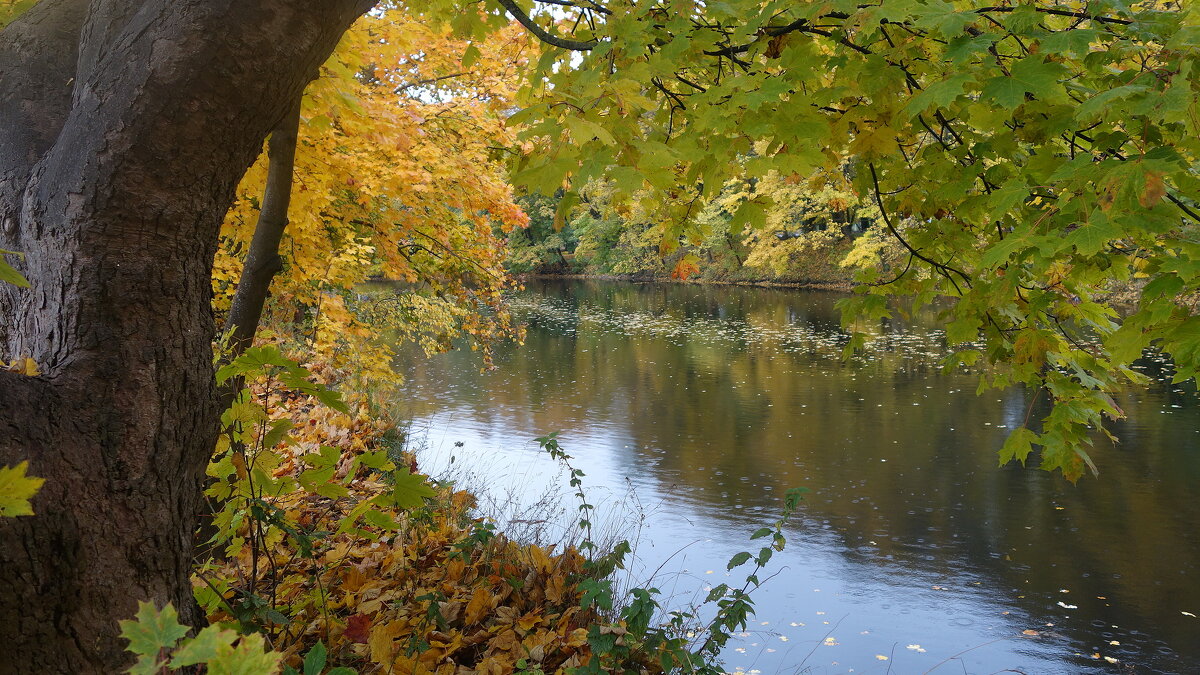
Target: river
[(691, 409)]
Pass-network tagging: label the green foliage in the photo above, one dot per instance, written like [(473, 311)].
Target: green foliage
[(157, 638), (7, 273), (256, 500), (16, 489), (9, 11), (773, 229), (1024, 158), (267, 361), (547, 245), (409, 491)]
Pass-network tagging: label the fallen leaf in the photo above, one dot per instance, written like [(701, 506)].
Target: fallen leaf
[(358, 628)]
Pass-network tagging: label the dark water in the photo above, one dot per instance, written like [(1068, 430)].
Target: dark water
[(701, 405)]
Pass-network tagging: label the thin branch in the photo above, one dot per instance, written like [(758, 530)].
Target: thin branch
[(942, 268), (591, 6), (541, 33), (1060, 12)]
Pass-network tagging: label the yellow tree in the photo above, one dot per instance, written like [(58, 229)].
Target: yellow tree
[(394, 170)]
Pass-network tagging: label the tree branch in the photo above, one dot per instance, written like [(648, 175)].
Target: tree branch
[(262, 261), (541, 33), (37, 67)]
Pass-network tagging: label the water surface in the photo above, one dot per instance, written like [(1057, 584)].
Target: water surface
[(693, 408)]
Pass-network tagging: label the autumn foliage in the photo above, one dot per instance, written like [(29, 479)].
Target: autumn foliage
[(324, 532), (398, 176)]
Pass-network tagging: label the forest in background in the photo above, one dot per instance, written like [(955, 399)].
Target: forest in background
[(814, 234)]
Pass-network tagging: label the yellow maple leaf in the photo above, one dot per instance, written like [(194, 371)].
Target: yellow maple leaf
[(480, 604), (23, 366), (16, 489), (381, 641)]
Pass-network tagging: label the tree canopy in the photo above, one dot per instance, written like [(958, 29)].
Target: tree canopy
[(1025, 156), (397, 175)]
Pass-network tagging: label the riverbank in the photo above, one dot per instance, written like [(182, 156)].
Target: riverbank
[(841, 286), (332, 542)]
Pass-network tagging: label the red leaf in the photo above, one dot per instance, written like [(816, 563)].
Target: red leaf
[(358, 628)]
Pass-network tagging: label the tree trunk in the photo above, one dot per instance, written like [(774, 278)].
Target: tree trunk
[(125, 128)]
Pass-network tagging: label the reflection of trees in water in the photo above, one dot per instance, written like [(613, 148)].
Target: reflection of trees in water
[(719, 379)]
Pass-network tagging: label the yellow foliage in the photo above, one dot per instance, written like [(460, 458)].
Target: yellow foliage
[(396, 176)]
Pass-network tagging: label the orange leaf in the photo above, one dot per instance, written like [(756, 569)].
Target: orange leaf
[(686, 267), (480, 604)]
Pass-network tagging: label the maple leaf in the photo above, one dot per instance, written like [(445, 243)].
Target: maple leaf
[(410, 490), (10, 275), (1154, 190), (16, 489), (1030, 75), (153, 630)]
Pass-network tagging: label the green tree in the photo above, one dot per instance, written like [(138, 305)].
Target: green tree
[(1024, 155)]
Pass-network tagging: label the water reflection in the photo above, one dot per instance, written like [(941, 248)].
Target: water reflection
[(711, 401)]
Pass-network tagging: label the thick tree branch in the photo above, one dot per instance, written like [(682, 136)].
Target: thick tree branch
[(262, 261), (37, 68), (106, 21)]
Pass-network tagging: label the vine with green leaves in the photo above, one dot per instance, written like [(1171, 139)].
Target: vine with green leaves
[(684, 642)]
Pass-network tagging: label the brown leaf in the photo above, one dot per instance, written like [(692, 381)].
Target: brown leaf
[(775, 46), (1154, 191)]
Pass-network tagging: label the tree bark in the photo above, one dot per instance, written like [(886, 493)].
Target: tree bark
[(262, 260), (125, 128)]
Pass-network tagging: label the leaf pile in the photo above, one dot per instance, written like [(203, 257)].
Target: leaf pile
[(321, 538)]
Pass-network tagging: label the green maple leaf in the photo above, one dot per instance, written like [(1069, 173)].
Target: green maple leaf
[(1077, 40), (1094, 235), (1030, 75), (153, 630), (940, 94), (248, 657), (1018, 445), (205, 647), (410, 489), (16, 489), (944, 17)]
